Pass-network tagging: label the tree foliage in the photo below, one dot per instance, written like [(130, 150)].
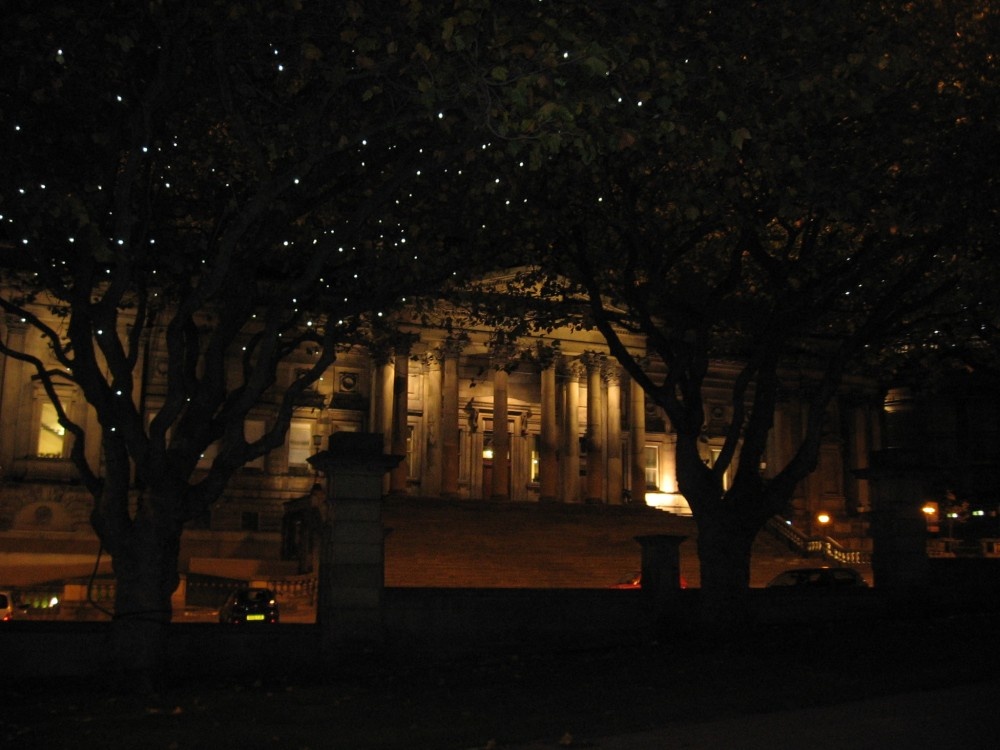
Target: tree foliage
[(795, 189), (774, 184), (241, 183)]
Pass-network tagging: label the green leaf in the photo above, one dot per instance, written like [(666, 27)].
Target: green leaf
[(739, 137), (596, 66)]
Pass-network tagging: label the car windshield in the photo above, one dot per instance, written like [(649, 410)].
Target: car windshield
[(818, 577), (254, 596), (803, 577)]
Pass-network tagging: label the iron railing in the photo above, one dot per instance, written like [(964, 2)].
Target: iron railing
[(825, 547)]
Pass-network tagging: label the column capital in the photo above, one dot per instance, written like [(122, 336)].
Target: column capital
[(571, 369), (384, 348), (432, 358), (503, 355), (592, 359), (402, 343), (547, 355), (452, 346), (612, 372)]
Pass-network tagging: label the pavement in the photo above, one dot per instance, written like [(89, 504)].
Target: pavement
[(966, 717)]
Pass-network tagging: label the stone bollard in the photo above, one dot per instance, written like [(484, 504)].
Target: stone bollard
[(352, 550), (661, 568)]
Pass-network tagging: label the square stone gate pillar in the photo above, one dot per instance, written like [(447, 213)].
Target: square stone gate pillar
[(352, 541), (898, 525), (661, 569)]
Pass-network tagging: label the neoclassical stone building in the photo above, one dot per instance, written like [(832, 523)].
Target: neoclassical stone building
[(575, 430)]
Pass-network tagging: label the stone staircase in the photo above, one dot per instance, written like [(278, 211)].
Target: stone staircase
[(477, 544)]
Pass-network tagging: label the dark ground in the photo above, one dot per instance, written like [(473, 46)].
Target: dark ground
[(500, 699)]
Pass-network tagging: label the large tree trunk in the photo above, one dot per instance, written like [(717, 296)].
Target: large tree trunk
[(724, 546), (144, 554), (728, 522)]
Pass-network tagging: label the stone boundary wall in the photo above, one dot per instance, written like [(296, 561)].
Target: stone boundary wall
[(452, 622), (416, 621)]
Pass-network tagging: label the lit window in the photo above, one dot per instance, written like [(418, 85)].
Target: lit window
[(716, 452), (535, 460), (412, 457), (651, 461), (300, 443), (51, 434)]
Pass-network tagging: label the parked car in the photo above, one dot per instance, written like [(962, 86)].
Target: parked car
[(10, 608), (818, 578), (631, 581), (634, 581), (250, 605), (6, 606)]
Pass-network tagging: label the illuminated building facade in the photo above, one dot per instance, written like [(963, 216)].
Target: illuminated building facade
[(576, 430)]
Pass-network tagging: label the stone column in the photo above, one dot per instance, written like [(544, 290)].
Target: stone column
[(430, 475), (382, 415), (548, 447), (349, 610), (595, 434), (637, 442), (501, 438), (449, 418), (14, 379), (571, 433), (612, 376), (400, 423)]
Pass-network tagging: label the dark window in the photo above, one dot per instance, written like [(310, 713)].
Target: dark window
[(249, 521)]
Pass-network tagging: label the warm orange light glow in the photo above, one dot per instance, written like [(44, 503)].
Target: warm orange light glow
[(823, 518), (929, 510)]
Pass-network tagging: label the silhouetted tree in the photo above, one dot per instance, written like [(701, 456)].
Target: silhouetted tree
[(792, 188), (241, 183)]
